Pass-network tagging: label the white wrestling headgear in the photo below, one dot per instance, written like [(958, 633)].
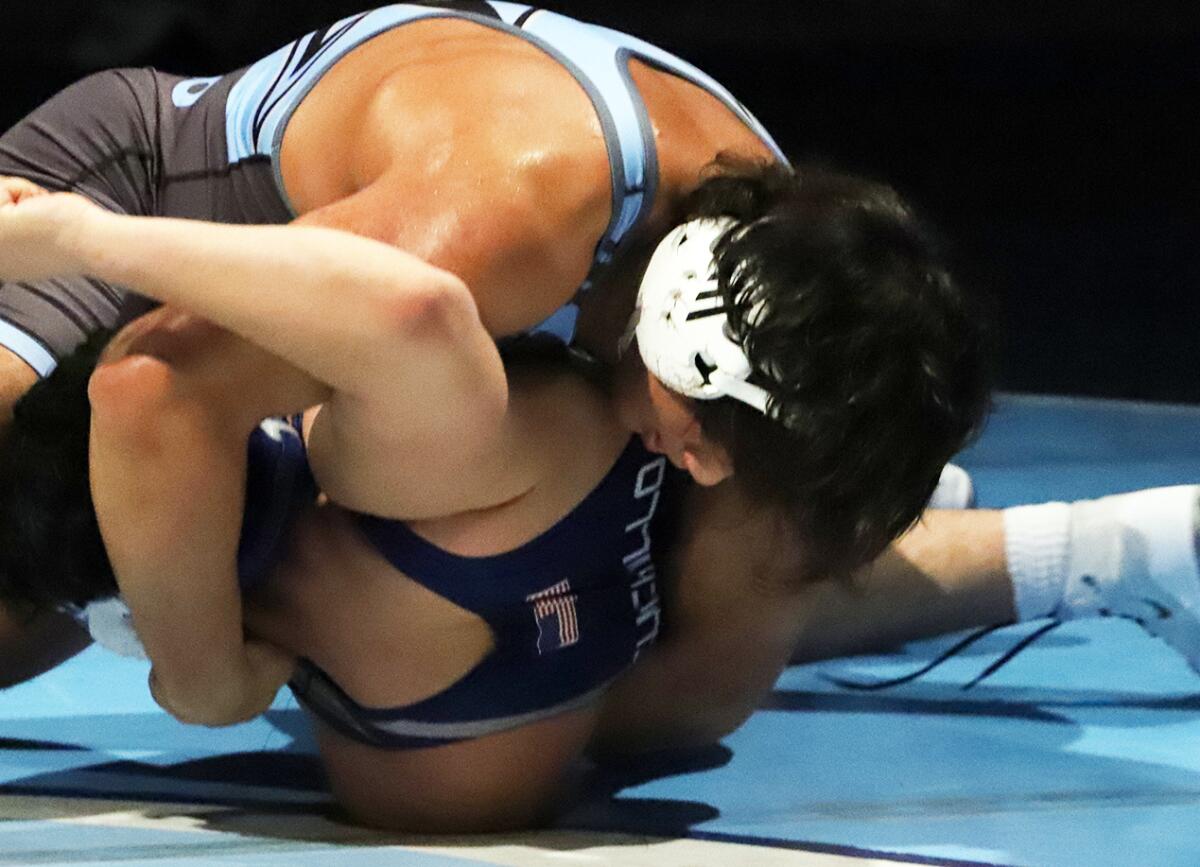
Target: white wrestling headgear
[(682, 323)]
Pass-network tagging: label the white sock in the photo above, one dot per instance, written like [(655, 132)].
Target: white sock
[(111, 625), (1037, 545)]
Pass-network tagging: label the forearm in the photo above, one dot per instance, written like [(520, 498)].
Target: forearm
[(334, 304), (659, 705), (168, 482), (174, 558), (947, 573)]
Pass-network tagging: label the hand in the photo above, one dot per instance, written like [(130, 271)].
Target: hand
[(40, 231), (15, 190), (238, 698)]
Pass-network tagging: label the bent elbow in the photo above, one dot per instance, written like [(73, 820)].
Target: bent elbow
[(442, 318), (433, 306)]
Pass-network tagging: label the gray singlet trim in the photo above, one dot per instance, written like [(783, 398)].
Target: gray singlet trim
[(370, 729)]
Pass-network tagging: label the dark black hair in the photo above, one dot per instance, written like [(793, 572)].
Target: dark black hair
[(51, 551), (877, 362)]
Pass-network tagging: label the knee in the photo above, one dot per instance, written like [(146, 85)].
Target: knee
[(133, 395)]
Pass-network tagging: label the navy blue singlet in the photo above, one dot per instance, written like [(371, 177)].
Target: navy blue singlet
[(569, 610)]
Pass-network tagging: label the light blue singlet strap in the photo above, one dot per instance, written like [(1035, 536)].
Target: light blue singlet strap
[(260, 105), (262, 102), (597, 61), (599, 58)]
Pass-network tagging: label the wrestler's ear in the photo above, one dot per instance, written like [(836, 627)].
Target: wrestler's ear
[(708, 463)]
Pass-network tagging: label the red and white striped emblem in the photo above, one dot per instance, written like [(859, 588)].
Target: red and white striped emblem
[(556, 617)]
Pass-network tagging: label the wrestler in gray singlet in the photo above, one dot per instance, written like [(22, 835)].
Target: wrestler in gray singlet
[(138, 141)]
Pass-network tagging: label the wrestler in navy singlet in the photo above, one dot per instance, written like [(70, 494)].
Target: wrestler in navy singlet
[(144, 142), (569, 610)]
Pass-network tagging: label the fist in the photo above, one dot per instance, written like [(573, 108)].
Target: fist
[(238, 696), (14, 190), (40, 232)]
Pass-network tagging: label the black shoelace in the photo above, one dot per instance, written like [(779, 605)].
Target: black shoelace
[(955, 650)]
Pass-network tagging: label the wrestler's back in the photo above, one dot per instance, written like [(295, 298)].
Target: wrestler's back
[(388, 640), (486, 137)]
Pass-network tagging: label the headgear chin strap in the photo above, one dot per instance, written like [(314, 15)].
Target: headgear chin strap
[(682, 321)]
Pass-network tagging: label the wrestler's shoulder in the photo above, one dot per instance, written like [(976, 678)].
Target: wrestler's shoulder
[(517, 119), (732, 550)]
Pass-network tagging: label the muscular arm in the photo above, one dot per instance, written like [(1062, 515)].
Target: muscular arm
[(352, 312), (418, 389), (730, 634), (730, 630), (418, 402), (521, 246), (506, 184), (170, 417)]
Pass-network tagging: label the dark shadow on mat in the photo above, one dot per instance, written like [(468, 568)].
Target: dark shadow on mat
[(102, 771), (948, 701), (596, 810), (274, 770), (799, 701), (282, 793), (233, 780), (600, 805), (26, 745)]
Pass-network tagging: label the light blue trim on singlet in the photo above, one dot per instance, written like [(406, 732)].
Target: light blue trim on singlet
[(599, 59), (28, 349), (264, 99)]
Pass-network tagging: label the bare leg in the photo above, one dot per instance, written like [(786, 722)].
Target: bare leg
[(947, 573), (29, 646)]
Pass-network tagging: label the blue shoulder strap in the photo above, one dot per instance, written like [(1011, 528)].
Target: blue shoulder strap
[(599, 58), (261, 103), (596, 62)]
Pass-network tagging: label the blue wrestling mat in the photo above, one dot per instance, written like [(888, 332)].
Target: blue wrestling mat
[(1083, 750)]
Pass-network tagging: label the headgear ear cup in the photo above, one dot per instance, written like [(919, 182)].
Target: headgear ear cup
[(682, 318)]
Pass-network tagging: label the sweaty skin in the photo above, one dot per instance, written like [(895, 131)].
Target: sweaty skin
[(502, 180), (506, 181), (511, 193), (414, 420), (385, 639)]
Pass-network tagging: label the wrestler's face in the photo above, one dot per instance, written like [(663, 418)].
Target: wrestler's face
[(665, 421)]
